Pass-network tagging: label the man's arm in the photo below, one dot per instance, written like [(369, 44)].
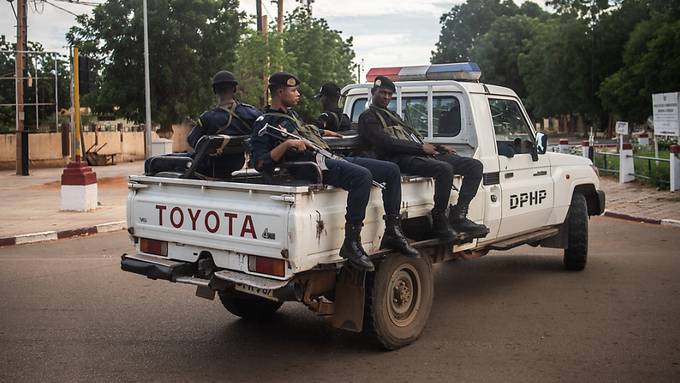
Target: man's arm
[(371, 129)]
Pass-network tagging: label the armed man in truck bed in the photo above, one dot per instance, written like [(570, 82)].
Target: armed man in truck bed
[(228, 117), (332, 117), (390, 138), (353, 174)]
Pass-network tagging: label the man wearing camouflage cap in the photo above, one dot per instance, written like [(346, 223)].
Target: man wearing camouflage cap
[(392, 139), (353, 174)]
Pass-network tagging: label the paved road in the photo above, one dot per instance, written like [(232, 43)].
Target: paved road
[(68, 314)]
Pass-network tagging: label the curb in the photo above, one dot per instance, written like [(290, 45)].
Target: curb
[(54, 235), (633, 218)]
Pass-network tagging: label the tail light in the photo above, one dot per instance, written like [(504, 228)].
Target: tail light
[(151, 246), (265, 265)]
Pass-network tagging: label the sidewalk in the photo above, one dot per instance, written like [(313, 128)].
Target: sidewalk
[(30, 205), (635, 199)]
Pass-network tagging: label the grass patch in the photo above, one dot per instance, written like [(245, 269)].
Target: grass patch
[(657, 173)]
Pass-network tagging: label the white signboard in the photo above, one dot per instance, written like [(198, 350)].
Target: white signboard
[(666, 114), (621, 127)]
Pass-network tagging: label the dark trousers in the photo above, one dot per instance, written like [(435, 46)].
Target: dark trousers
[(356, 175), (442, 167)]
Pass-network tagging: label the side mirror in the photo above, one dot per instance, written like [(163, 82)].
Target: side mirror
[(541, 143)]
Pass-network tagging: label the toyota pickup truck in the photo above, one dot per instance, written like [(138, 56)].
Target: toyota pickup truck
[(259, 240)]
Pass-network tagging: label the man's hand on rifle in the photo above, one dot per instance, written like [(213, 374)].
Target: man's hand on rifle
[(297, 145), (441, 149), (429, 149)]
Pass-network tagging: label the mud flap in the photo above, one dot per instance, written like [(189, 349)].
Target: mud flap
[(349, 300)]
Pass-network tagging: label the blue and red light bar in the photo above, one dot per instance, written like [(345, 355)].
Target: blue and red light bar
[(454, 71)]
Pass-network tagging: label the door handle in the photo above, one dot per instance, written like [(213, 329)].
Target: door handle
[(541, 173), (509, 175)]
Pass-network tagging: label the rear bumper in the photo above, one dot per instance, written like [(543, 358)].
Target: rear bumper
[(156, 268), (182, 272)]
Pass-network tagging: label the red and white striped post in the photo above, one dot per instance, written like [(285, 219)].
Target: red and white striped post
[(585, 149), (675, 167), (78, 182), (564, 146), (626, 164)]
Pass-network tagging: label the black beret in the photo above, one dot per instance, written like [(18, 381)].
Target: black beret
[(283, 78), (384, 82), (224, 77), (329, 89)]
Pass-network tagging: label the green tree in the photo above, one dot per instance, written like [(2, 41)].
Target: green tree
[(189, 40), (498, 50), (315, 53), (651, 65), (41, 66), (557, 69), (464, 24), (257, 58)]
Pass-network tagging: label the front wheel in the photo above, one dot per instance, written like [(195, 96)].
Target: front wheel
[(398, 300), (248, 306), (576, 253)]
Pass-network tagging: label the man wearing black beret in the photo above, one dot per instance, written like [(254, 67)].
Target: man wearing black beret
[(391, 139), (332, 117), (228, 117), (354, 175)]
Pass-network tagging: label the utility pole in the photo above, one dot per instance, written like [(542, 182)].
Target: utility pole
[(279, 17), (21, 134), (258, 11)]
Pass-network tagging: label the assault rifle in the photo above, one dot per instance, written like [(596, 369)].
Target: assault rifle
[(282, 134)]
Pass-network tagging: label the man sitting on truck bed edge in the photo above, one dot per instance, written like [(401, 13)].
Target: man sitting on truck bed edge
[(229, 117), (389, 137), (354, 175)]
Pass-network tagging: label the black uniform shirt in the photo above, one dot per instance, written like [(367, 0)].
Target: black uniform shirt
[(374, 138), (263, 145), (334, 120), (219, 121)]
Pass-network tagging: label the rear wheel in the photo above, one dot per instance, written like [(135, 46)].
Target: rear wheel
[(248, 306), (576, 253), (398, 300)]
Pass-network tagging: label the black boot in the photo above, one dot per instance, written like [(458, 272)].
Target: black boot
[(351, 248), (442, 229), (459, 220), (394, 238)]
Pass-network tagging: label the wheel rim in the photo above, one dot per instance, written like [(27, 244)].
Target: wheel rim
[(403, 295)]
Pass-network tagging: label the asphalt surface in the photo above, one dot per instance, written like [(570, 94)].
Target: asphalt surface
[(68, 314)]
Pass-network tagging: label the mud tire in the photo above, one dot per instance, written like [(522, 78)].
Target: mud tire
[(399, 298), (576, 252)]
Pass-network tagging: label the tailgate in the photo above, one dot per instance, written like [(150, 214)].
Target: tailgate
[(230, 221)]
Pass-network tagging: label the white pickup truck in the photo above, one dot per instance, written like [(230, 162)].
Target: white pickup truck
[(260, 241)]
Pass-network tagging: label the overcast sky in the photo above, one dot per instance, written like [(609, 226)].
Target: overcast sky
[(386, 32)]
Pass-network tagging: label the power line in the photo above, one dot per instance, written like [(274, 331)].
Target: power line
[(13, 11), (60, 8)]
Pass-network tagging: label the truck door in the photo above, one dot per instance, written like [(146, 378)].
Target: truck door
[(526, 184)]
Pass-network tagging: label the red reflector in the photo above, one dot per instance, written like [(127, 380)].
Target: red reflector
[(151, 246), (269, 266)]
